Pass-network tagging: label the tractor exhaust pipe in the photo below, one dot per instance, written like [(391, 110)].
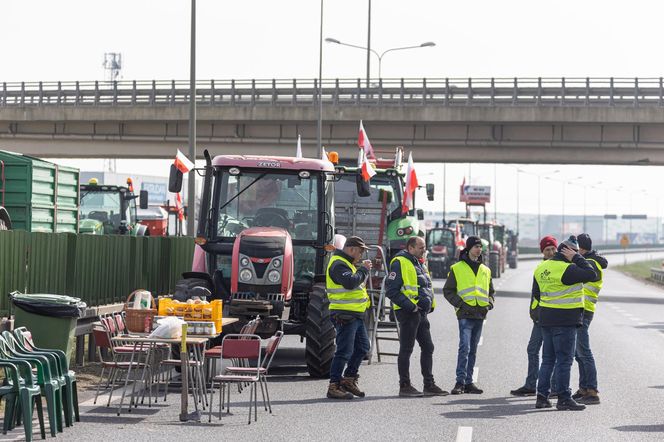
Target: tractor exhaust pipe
[(204, 218)]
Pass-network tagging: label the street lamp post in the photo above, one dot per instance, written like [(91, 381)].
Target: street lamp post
[(380, 56), (191, 188), (320, 85)]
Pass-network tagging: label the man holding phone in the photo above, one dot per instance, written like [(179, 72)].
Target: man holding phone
[(345, 286)]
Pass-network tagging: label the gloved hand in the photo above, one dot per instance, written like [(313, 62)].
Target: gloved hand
[(490, 306)]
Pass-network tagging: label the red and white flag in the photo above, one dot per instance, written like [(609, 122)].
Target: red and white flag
[(364, 143), (324, 155), (367, 169), (411, 185), (298, 151), (182, 162)]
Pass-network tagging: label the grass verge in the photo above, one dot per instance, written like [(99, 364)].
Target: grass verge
[(639, 270)]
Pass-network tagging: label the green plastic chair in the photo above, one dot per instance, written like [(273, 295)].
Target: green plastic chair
[(50, 387), (20, 393), (25, 343)]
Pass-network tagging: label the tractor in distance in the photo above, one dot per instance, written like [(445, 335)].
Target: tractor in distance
[(109, 209), (442, 249)]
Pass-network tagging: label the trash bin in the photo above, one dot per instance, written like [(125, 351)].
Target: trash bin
[(50, 318)]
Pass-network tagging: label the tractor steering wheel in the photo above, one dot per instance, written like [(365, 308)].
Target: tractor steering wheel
[(271, 219)]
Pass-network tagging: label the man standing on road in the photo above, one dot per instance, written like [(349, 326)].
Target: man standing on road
[(348, 303), (469, 288), (548, 247), (558, 287), (409, 287), (587, 393)]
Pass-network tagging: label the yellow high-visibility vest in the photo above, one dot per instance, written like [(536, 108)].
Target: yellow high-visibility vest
[(472, 288), (591, 289), (410, 286), (355, 300), (553, 293)]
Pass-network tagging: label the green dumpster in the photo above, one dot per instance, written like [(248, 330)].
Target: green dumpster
[(50, 318)]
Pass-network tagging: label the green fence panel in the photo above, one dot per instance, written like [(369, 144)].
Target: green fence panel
[(98, 269)]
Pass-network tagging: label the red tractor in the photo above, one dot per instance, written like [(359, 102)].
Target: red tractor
[(265, 230)]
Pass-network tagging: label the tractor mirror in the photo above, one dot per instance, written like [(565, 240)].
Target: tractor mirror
[(175, 179), (420, 214), (430, 188), (363, 187), (143, 199)]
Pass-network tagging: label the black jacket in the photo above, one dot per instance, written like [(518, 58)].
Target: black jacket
[(466, 311), (579, 271), (394, 282), (343, 275), (603, 263)]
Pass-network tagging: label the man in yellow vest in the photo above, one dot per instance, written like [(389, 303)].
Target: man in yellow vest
[(409, 287), (548, 247), (345, 287), (587, 392), (470, 290), (558, 288)]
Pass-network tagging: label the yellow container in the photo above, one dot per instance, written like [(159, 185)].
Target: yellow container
[(210, 312)]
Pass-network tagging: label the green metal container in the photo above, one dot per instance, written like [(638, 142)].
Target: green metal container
[(47, 331), (40, 196)]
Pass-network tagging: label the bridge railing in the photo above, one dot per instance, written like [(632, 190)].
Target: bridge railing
[(579, 92)]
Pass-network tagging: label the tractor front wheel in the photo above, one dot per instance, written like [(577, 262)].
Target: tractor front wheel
[(320, 334)]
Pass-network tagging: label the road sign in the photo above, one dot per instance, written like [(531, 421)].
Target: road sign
[(475, 194), (624, 241)]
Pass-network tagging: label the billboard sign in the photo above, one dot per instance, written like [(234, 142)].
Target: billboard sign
[(475, 194), (157, 192)]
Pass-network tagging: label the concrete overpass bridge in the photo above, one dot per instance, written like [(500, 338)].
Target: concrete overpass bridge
[(515, 120)]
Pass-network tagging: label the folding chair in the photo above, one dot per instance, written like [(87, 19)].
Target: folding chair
[(213, 354), (270, 350), (238, 346)]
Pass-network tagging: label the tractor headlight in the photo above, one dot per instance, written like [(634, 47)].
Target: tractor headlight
[(400, 232), (245, 275), (273, 276), (408, 230), (276, 263), (244, 262)]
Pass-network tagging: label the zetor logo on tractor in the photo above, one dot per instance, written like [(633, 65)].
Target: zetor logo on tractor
[(264, 231)]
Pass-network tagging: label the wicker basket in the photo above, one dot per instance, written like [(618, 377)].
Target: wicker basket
[(135, 318)]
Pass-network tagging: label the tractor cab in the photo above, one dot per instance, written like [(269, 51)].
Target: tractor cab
[(107, 209), (373, 211), (442, 247)]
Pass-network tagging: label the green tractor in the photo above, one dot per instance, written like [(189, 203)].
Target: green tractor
[(107, 209), (374, 211)]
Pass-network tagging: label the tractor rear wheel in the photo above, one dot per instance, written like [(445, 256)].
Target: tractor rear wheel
[(320, 334), (494, 264)]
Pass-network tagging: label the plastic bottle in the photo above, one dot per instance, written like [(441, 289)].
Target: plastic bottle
[(146, 298)]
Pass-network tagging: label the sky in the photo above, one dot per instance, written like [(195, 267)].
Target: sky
[(66, 40)]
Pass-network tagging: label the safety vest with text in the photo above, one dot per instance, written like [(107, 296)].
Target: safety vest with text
[(591, 289), (472, 288), (553, 293), (341, 298), (410, 287)]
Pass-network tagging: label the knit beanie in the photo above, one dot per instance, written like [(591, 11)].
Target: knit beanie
[(548, 241), (585, 242), (569, 242)]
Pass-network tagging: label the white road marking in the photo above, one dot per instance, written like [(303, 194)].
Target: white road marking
[(464, 434), (476, 373), (642, 324)]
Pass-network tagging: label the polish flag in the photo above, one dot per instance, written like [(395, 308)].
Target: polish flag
[(364, 143), (367, 169), (182, 162), (462, 189), (411, 185), (298, 151), (458, 240), (178, 206)]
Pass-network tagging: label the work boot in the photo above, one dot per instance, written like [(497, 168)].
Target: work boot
[(458, 388), (569, 404), (434, 390), (542, 402), (472, 389), (349, 383), (523, 391), (335, 391), (591, 397), (581, 392), (407, 390)]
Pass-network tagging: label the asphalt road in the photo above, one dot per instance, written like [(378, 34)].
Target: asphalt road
[(627, 337)]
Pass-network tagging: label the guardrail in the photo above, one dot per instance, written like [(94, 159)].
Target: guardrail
[(493, 92), (657, 275)]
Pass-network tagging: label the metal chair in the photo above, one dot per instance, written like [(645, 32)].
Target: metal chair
[(240, 347)]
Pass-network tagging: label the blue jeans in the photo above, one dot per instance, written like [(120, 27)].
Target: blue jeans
[(470, 331), (584, 357), (534, 346), (352, 345), (558, 345)]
